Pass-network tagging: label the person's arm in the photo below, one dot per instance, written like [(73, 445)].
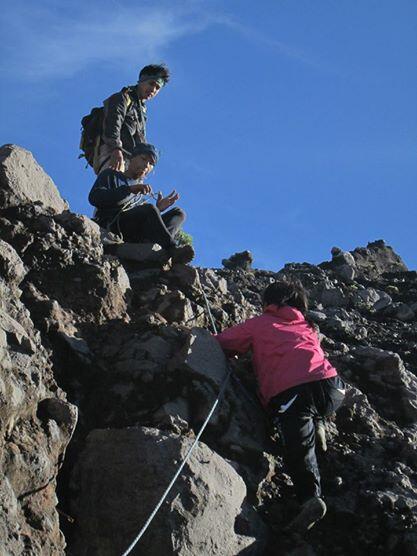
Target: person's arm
[(115, 108), (237, 339), (107, 192)]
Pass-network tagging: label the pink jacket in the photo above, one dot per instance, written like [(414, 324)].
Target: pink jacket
[(285, 350)]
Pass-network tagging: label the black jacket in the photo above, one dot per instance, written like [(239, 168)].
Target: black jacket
[(124, 120), (110, 192)]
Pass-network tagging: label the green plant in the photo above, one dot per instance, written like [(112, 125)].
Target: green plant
[(183, 238)]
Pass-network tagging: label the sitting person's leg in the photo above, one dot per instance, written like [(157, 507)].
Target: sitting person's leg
[(174, 219), (141, 223)]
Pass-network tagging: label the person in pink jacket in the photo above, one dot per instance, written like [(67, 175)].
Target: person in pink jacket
[(297, 385)]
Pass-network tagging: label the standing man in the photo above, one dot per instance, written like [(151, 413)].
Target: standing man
[(124, 125)]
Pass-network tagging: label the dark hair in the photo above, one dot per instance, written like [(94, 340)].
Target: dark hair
[(161, 70), (287, 291)]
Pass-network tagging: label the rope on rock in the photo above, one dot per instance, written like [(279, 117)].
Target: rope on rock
[(171, 484), (193, 445), (235, 378)]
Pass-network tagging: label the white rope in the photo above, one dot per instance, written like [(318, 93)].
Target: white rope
[(171, 484), (187, 457)]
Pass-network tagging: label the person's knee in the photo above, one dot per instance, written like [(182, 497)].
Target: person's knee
[(150, 208), (149, 213), (179, 213)]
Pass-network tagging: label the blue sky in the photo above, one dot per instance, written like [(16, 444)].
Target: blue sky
[(289, 126)]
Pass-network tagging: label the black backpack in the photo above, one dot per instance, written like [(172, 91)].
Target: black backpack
[(91, 127)]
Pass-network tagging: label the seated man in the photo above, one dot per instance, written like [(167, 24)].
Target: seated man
[(118, 198)]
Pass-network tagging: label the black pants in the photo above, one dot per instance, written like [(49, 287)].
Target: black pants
[(294, 412), (146, 223)]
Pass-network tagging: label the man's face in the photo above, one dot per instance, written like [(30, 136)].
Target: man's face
[(148, 89), (140, 166)]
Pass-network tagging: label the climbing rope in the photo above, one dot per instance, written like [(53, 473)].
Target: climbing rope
[(235, 378), (138, 199), (193, 445), (180, 468)]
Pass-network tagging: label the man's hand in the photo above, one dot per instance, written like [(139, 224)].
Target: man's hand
[(143, 188), (164, 202), (117, 161)]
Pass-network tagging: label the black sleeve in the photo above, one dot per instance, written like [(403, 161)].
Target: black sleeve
[(106, 192), (115, 109)]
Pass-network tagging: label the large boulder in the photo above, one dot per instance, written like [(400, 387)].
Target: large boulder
[(23, 181), (120, 477)]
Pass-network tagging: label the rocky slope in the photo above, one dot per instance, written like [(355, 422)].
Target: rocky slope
[(121, 333)]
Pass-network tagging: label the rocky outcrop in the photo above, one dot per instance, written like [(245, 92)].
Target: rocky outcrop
[(23, 181), (241, 260), (123, 331), (36, 424)]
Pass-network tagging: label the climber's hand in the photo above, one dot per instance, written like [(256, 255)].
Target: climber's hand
[(164, 202)]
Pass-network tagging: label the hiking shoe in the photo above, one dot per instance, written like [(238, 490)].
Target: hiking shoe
[(312, 510), (182, 254), (321, 436)]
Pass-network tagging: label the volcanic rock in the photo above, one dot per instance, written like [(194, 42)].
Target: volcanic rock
[(128, 341), (23, 181), (125, 472)]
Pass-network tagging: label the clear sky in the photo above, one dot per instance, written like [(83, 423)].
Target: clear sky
[(289, 126)]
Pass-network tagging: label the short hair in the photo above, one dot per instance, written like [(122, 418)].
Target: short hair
[(287, 291), (161, 70), (148, 149)]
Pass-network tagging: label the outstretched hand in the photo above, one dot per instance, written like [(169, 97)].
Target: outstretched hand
[(164, 202)]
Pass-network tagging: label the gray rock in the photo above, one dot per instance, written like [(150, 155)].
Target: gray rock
[(141, 252), (23, 181), (213, 281), (14, 335), (64, 413), (317, 316), (122, 473), (11, 265), (185, 277), (340, 257), (375, 259), (176, 307), (202, 356), (343, 264), (333, 297), (175, 408), (155, 348), (400, 311), (384, 301), (241, 260), (144, 278), (367, 297), (182, 254), (78, 346)]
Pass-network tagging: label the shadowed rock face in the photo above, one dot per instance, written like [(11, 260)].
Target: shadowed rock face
[(124, 336), (36, 424)]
